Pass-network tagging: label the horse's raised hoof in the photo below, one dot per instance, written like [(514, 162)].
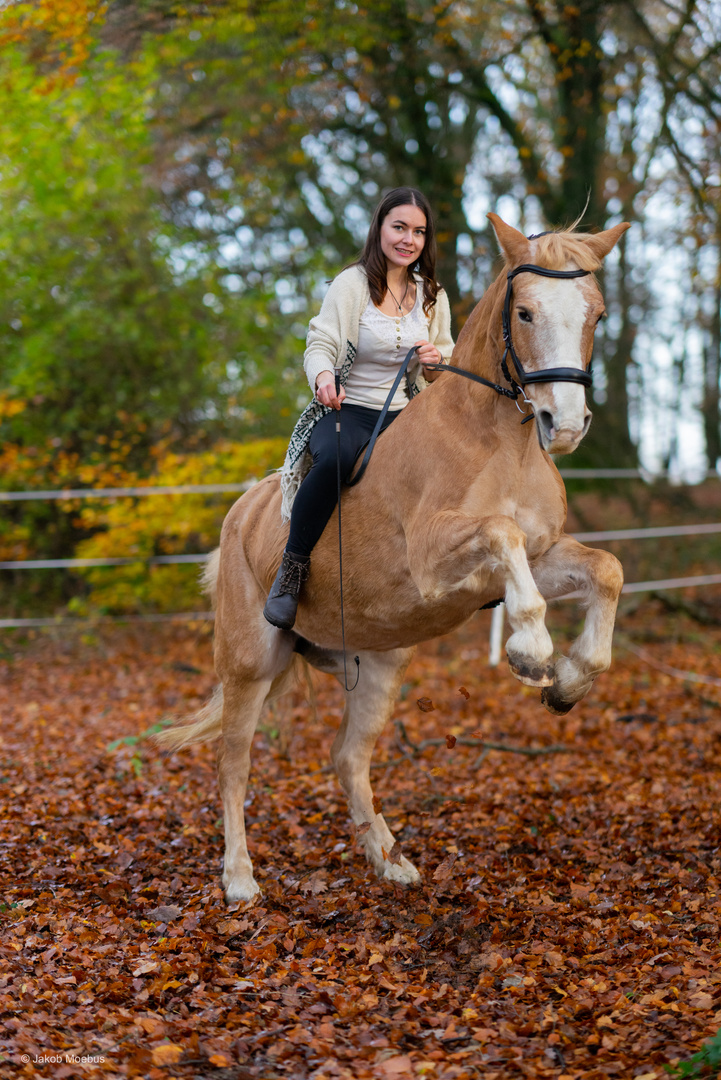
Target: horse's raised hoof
[(555, 704), (531, 672)]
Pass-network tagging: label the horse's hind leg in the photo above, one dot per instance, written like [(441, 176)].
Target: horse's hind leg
[(244, 695), (367, 710), (242, 705), (570, 567)]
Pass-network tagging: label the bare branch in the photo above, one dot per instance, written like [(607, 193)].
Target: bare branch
[(678, 673)]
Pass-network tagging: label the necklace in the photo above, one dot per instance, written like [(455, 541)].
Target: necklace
[(399, 305)]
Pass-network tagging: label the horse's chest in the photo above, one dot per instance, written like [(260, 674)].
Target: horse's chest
[(529, 496), (541, 526)]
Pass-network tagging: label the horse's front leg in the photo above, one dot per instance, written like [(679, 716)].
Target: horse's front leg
[(456, 551), (367, 711), (598, 576)]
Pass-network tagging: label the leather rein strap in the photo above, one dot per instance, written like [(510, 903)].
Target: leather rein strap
[(352, 480)]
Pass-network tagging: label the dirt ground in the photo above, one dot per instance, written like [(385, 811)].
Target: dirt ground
[(568, 921)]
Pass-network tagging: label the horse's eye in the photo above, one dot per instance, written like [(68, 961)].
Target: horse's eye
[(525, 316)]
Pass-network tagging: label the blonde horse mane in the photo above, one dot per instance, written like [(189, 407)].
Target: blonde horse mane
[(556, 249)]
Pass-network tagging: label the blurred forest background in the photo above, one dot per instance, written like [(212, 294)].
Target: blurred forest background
[(179, 180)]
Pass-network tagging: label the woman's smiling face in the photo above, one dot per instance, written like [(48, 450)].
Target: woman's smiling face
[(403, 234)]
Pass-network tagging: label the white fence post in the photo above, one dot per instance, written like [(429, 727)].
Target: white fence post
[(497, 617)]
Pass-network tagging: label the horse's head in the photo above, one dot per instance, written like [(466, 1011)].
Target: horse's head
[(550, 322)]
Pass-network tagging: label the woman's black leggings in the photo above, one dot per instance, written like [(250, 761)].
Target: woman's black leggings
[(317, 496)]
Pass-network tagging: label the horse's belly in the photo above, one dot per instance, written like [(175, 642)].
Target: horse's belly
[(379, 631), (382, 606), (387, 612)]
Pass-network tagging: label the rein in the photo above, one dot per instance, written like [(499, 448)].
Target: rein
[(340, 533)]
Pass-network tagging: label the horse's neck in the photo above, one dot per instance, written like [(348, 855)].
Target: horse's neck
[(480, 349), (480, 343)]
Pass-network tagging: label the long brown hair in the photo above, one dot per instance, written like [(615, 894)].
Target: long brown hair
[(373, 260)]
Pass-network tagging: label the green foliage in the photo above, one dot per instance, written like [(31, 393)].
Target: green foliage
[(137, 760), (111, 314), (91, 321), (707, 1062), (122, 332)]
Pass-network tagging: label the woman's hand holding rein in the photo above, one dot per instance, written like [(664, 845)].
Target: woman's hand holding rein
[(325, 382), (325, 390), (429, 354)]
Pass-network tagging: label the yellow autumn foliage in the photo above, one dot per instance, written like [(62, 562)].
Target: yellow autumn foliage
[(163, 525), (61, 34), (34, 529)]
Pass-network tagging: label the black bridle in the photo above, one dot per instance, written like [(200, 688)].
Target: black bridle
[(523, 378), (528, 378)]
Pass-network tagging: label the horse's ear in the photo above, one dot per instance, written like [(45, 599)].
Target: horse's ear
[(603, 242), (513, 243)]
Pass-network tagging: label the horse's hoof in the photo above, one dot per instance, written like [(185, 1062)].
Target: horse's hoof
[(554, 703), (238, 897), (530, 672), (403, 873)]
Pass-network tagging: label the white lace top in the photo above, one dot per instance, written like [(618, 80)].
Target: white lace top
[(383, 341)]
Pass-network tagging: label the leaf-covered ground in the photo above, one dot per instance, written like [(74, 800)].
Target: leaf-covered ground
[(568, 925)]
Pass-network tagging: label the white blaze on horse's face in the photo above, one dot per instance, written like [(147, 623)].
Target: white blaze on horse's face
[(553, 320)]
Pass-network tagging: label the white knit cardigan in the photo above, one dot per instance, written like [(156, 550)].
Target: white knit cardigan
[(332, 341)]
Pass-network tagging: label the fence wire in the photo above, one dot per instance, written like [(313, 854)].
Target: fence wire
[(210, 489)]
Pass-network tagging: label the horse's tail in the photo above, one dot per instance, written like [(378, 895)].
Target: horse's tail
[(209, 576), (205, 725)]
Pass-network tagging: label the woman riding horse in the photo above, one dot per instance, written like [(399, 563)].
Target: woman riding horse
[(378, 308), (426, 547)]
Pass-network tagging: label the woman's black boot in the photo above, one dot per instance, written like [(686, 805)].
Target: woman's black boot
[(282, 603)]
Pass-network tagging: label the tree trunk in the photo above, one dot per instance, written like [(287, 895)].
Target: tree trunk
[(608, 443), (712, 366)]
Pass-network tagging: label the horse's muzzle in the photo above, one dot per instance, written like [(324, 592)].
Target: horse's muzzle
[(559, 440)]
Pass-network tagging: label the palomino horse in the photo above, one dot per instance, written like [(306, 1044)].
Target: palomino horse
[(461, 504)]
